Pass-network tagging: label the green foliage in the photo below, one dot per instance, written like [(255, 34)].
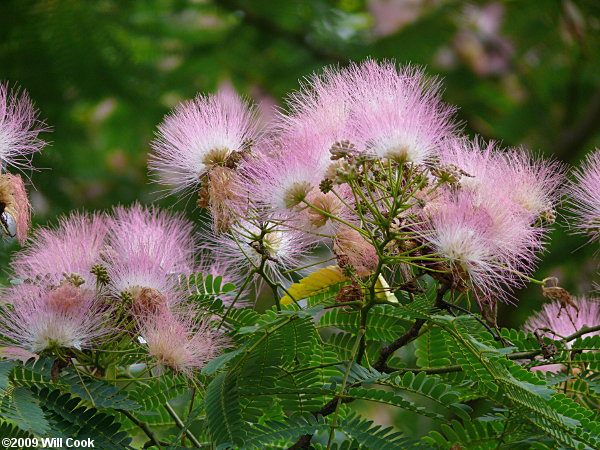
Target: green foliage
[(74, 420), (21, 407), (223, 411)]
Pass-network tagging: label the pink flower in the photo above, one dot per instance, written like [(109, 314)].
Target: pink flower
[(585, 197), (242, 249), (398, 113), (19, 129), (281, 181), (484, 243), (201, 134), (178, 341), (530, 183), (557, 321), (149, 286), (147, 232), (41, 318), (147, 252), (72, 248)]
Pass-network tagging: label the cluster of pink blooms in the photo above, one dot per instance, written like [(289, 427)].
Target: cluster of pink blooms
[(85, 281), (486, 219), (489, 226)]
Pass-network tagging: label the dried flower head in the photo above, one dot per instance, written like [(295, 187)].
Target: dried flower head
[(585, 197), (201, 134), (14, 203), (19, 129)]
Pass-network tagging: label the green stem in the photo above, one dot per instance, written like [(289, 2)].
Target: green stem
[(361, 333), (181, 425)]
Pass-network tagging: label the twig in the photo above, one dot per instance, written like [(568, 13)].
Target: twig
[(181, 425), (145, 428)]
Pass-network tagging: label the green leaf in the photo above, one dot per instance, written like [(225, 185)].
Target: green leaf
[(21, 407), (6, 368), (75, 420), (98, 393), (223, 413)]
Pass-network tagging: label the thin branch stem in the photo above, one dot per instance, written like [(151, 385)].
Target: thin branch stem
[(181, 425)]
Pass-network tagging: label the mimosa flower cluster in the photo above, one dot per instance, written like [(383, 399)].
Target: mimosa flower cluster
[(464, 210), (98, 278), (365, 168)]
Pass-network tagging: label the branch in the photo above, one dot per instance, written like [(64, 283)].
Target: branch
[(409, 336), (513, 356), (181, 425), (145, 428)]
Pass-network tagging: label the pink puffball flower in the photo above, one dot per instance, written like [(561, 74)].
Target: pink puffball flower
[(141, 278), (242, 249), (178, 341), (318, 114), (585, 197), (534, 184), (148, 252), (557, 321), (531, 184), (161, 236), (199, 135), (72, 248), (483, 243), (41, 318), (398, 113), (281, 181), (19, 129)]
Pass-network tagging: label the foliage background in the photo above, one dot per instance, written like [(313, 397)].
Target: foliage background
[(104, 73)]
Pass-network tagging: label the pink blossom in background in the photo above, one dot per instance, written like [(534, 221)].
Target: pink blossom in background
[(19, 129), (42, 317), (564, 320), (178, 341), (556, 321), (584, 201), (73, 247), (198, 135), (391, 15), (479, 42)]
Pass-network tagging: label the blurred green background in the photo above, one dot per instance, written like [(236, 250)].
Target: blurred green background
[(104, 73)]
